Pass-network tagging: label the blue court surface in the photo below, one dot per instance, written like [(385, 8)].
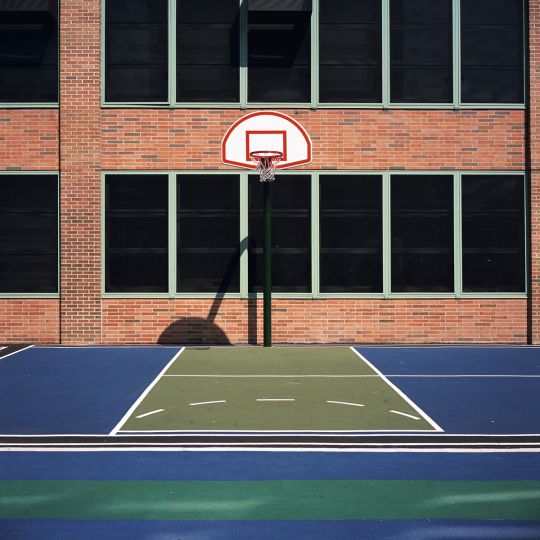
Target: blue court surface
[(86, 391), (55, 485), (171, 495)]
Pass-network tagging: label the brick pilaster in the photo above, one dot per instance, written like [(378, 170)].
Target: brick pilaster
[(534, 153), (80, 113)]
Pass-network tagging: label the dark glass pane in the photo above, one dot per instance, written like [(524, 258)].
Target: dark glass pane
[(279, 48), (493, 233), (422, 233), (421, 51), (208, 225), (28, 234), (29, 51), (351, 233), (136, 50), (207, 51), (350, 51), (492, 57), (136, 233), (291, 234)]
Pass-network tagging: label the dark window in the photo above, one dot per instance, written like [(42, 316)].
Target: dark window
[(28, 233), (421, 51), (29, 51), (492, 51), (350, 51), (422, 233), (207, 50), (351, 233), (136, 50), (493, 234), (291, 234), (136, 233), (208, 214), (279, 51)]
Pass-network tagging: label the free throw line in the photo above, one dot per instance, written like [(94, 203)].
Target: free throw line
[(145, 393)]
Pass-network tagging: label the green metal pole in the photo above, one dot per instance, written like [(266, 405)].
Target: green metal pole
[(267, 254)]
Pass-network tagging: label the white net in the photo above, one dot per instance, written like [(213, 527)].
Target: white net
[(266, 162)]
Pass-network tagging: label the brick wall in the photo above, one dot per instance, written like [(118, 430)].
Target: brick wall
[(534, 153), (92, 140), (316, 321), (80, 116), (29, 139), (24, 320), (342, 139)]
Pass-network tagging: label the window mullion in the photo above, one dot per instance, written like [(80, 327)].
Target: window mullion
[(315, 55), (387, 247), (456, 53), (244, 233), (315, 242), (172, 52), (173, 231), (385, 53), (458, 267), (243, 53)]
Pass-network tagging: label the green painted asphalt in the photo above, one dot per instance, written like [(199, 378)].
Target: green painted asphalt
[(240, 410), (269, 500), (273, 389), (270, 361)]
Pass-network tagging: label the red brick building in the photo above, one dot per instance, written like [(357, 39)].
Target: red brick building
[(440, 148)]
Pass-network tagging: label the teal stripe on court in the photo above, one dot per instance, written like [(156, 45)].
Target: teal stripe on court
[(269, 500)]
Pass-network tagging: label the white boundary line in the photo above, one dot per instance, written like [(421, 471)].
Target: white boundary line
[(145, 393), (223, 433), (393, 450), (207, 402), (259, 432), (352, 376), (15, 352), (407, 399), (244, 448)]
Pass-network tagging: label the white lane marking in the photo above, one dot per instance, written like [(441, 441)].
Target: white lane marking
[(346, 403), (207, 402), (272, 376), (245, 448), (15, 352), (394, 375), (2, 348), (405, 414), (149, 413), (130, 411), (275, 399), (407, 399)]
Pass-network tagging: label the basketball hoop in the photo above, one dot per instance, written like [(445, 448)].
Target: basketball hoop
[(266, 162)]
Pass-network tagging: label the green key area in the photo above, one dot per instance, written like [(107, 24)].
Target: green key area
[(274, 389)]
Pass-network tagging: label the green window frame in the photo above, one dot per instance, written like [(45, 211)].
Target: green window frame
[(245, 177), (7, 294), (314, 103)]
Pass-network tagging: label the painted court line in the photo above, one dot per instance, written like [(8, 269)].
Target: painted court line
[(275, 399), (229, 376), (405, 414), (145, 393), (207, 402), (149, 413), (406, 398), (16, 352), (346, 403)]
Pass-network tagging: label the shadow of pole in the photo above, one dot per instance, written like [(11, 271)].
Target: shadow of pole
[(199, 330)]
